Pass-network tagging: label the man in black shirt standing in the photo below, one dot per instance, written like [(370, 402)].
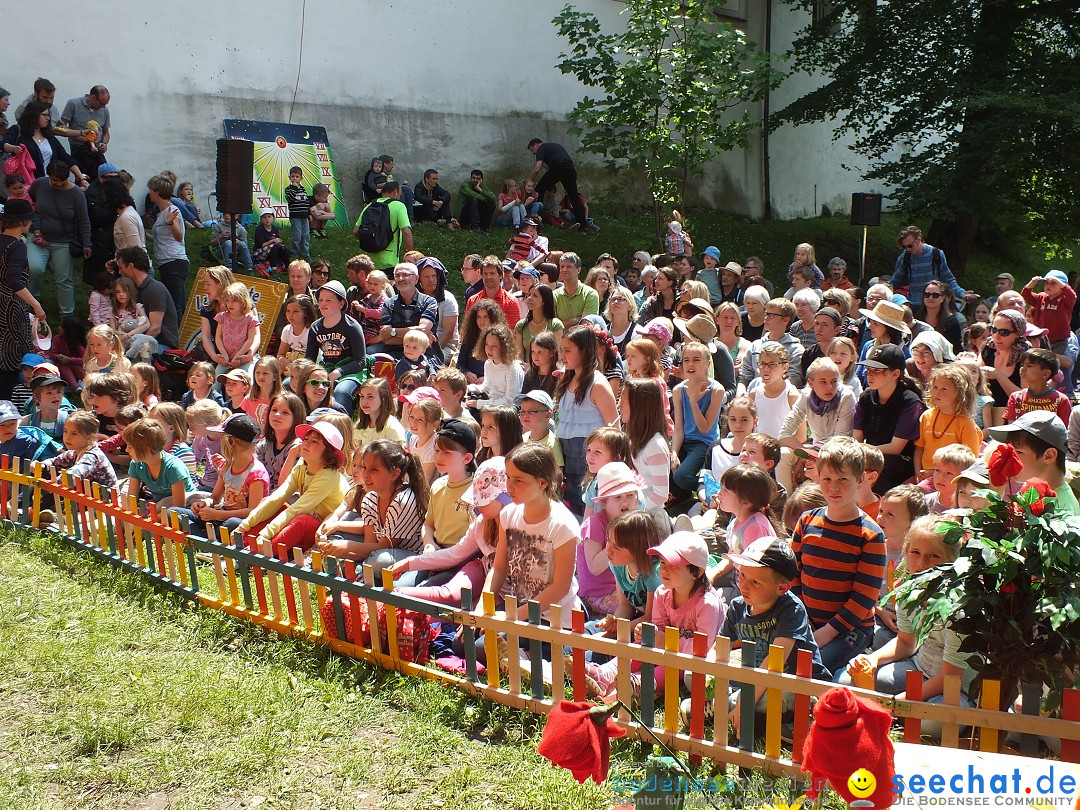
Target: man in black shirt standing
[(560, 169)]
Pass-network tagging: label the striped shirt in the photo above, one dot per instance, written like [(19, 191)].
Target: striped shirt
[(841, 567), (402, 523)]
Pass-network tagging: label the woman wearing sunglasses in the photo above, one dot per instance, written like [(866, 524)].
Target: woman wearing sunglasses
[(1001, 358), (939, 312), (316, 390)]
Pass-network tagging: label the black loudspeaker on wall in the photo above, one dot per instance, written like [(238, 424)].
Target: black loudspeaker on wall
[(235, 168), (865, 209)]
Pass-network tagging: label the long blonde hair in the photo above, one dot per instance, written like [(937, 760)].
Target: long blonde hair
[(120, 363)]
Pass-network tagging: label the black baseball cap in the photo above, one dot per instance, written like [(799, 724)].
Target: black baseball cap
[(45, 379), (888, 356), (458, 432), (769, 552), (239, 426)]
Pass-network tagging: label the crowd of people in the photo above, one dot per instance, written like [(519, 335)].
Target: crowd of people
[(671, 441)]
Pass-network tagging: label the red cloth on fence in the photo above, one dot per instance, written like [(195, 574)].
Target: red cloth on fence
[(850, 733)]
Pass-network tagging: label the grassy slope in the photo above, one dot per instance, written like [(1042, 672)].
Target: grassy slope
[(736, 237), (113, 695)]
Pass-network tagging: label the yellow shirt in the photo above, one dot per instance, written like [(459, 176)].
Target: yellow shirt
[(392, 430), (320, 494), (936, 430), (448, 515)]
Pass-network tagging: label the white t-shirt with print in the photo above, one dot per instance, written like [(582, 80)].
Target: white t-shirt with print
[(530, 553)]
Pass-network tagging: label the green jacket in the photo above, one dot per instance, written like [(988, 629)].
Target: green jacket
[(466, 190)]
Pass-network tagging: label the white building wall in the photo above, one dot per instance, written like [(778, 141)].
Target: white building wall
[(451, 84), (807, 165)]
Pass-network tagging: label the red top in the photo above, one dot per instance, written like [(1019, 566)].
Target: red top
[(507, 303), (1053, 315)]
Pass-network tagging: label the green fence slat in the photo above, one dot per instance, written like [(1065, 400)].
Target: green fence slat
[(468, 638), (242, 570), (648, 678)]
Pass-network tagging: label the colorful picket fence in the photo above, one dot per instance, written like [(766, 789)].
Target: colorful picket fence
[(280, 593)]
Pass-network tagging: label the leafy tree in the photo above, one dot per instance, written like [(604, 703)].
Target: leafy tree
[(1011, 593), (970, 111), (671, 88)]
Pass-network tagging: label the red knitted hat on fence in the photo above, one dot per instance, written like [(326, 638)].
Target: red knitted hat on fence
[(850, 733)]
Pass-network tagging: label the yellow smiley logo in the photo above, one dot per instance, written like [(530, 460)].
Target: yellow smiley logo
[(861, 783)]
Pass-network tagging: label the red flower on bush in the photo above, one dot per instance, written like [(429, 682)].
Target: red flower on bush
[(1004, 464), (577, 737), (1039, 506)]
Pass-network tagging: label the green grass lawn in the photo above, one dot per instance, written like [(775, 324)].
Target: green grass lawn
[(116, 695), (113, 695), (736, 237)]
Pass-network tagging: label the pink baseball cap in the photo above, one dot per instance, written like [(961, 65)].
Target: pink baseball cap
[(45, 368), (423, 392), (331, 435), (683, 548)]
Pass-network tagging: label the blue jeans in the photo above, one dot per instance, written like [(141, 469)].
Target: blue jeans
[(513, 216), (344, 391), (199, 527), (58, 255), (301, 237), (837, 653), (692, 454), (243, 253), (407, 197)]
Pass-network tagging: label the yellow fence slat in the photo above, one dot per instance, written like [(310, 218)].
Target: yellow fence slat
[(990, 699), (671, 683), (373, 613), (773, 703), (491, 648), (391, 619)]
